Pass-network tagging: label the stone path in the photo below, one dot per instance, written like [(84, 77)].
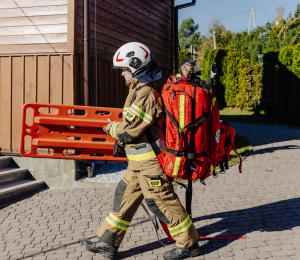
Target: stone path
[(262, 203)]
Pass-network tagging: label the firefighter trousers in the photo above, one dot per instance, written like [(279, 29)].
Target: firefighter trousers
[(157, 190)]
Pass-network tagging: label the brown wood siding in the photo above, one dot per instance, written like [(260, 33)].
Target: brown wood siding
[(5, 102), (30, 26), (118, 22), (31, 79), (122, 21)]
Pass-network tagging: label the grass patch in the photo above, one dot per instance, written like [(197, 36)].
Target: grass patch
[(242, 145), (249, 117)]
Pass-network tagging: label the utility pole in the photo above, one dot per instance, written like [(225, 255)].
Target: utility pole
[(192, 50), (252, 13), (214, 37)]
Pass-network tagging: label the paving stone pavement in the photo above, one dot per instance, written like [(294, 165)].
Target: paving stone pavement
[(262, 203)]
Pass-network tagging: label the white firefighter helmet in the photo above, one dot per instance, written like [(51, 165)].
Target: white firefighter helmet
[(132, 55)]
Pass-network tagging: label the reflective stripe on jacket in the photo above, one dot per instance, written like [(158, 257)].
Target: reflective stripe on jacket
[(143, 112)]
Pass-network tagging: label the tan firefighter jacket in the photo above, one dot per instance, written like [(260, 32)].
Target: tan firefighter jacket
[(144, 112)]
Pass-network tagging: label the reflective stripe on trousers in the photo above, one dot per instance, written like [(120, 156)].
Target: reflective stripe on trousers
[(117, 223), (182, 227)]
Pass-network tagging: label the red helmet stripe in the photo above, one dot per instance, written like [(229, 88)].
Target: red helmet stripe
[(145, 51), (119, 60)]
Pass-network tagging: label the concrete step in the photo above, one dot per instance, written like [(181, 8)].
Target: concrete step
[(8, 175), (19, 188), (5, 162)]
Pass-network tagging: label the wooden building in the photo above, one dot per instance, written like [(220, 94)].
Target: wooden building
[(41, 53)]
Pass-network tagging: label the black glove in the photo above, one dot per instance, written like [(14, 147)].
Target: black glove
[(118, 150)]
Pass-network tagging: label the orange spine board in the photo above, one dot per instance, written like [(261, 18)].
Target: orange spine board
[(67, 134)]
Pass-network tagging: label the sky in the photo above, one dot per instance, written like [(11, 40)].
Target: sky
[(206, 10)]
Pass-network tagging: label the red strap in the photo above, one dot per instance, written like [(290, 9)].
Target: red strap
[(221, 238), (227, 153), (165, 228), (237, 154), (227, 147)]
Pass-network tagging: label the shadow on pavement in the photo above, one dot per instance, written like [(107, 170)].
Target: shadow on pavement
[(17, 199), (277, 216), (272, 149)]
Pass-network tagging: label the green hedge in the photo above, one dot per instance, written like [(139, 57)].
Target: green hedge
[(256, 88), (284, 82), (232, 77), (217, 57), (275, 88), (281, 84), (294, 101), (243, 96), (232, 84), (270, 82)]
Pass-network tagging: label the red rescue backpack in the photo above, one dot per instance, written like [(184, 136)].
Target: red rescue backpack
[(226, 145), (192, 130)]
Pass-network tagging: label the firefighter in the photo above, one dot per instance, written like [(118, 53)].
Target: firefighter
[(187, 68), (144, 178)]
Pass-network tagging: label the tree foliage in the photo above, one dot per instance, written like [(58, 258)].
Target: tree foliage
[(194, 39), (297, 12), (219, 28), (188, 34), (187, 28), (280, 13), (268, 38)]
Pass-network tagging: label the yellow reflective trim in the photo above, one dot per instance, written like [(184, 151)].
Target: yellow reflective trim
[(140, 113), (211, 169), (114, 132), (141, 157), (178, 75), (136, 113), (176, 166), (182, 230), (125, 110), (119, 220), (214, 100), (181, 224), (144, 113), (155, 183), (115, 225), (137, 108), (181, 112)]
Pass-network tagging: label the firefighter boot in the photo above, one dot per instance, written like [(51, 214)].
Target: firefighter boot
[(107, 251), (181, 253)]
